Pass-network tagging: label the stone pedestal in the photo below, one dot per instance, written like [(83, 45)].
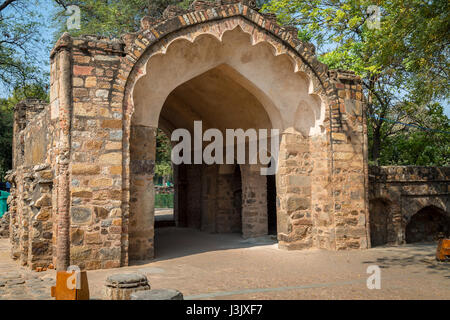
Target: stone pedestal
[(158, 294), (121, 286)]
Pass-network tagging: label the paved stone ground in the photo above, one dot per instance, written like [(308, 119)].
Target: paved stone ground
[(18, 283), (224, 266)]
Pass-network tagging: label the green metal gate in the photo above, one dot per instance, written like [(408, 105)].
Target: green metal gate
[(3, 205)]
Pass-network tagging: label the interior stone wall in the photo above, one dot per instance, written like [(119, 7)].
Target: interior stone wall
[(229, 200), (210, 194)]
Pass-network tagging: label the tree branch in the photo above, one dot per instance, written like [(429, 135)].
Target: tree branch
[(5, 4)]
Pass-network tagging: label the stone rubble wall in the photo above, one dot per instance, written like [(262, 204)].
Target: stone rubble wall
[(4, 226), (208, 193), (30, 202)]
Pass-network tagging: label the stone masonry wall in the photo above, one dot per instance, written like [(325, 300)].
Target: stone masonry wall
[(95, 168)]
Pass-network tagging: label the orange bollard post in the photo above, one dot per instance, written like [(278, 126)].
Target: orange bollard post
[(443, 250), (71, 286)]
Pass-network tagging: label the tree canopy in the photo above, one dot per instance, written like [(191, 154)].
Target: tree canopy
[(20, 26), (403, 62)]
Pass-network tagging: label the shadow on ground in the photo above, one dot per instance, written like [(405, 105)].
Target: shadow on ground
[(173, 242), (409, 255)]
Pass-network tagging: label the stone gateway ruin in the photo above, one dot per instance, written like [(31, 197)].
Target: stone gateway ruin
[(83, 190)]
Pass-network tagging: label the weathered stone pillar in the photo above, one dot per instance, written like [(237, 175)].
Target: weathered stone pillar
[(321, 193), (142, 193), (294, 218), (63, 55), (254, 202), (349, 162), (396, 223)]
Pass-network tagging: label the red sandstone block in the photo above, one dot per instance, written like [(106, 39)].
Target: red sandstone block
[(82, 70)]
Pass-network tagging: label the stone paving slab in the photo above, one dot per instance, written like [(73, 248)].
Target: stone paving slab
[(19, 283), (18, 286)]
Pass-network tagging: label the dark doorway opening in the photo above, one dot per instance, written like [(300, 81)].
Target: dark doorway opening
[(237, 199), (272, 204), (378, 222)]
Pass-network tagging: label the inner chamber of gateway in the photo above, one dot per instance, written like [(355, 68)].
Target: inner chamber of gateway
[(216, 198)]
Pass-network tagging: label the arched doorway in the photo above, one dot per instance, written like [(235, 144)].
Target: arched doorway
[(226, 82), (428, 224), (217, 198)]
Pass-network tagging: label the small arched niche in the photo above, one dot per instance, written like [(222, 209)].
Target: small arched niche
[(428, 224)]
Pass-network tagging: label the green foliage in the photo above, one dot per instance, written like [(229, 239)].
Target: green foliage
[(6, 121), (112, 18), (404, 65), (418, 148), (109, 18), (163, 146), (163, 167), (414, 146)]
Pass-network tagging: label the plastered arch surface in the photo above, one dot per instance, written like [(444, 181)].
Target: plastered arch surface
[(267, 69)]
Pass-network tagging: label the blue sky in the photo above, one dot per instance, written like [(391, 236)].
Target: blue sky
[(46, 8)]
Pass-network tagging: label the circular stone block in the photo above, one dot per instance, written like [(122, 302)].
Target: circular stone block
[(158, 294), (120, 286)]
